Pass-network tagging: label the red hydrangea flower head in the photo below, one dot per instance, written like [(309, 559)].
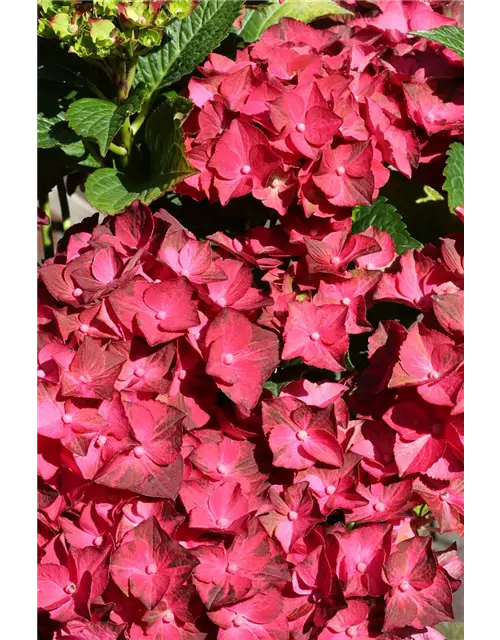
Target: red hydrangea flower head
[(248, 428)]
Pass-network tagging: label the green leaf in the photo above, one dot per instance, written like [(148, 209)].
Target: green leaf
[(451, 630), (384, 216), (52, 129), (76, 155), (189, 41), (110, 190), (136, 99), (272, 387), (276, 387), (181, 106), (97, 119), (256, 21), (451, 36), (454, 174), (101, 120)]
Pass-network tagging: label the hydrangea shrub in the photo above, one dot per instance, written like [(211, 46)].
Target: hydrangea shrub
[(253, 435)]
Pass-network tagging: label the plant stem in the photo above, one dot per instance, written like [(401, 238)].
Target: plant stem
[(48, 243), (127, 141), (120, 151), (63, 201), (126, 78), (131, 74), (141, 116)]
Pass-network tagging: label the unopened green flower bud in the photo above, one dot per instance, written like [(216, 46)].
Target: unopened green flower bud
[(64, 26), (83, 46), (302, 297), (102, 32), (181, 8), (46, 8), (162, 19), (105, 7), (45, 28), (50, 8), (139, 13), (109, 27), (150, 37)]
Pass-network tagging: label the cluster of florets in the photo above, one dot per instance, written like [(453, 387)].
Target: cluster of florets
[(192, 484), (108, 27), (315, 117), (179, 498)]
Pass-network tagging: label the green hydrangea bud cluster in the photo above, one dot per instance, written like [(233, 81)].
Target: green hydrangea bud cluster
[(103, 28)]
